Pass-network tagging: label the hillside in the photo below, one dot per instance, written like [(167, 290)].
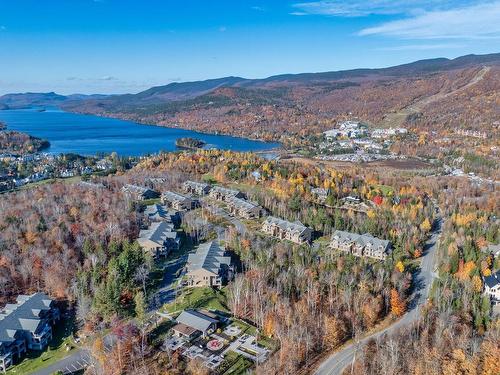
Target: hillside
[(297, 105)]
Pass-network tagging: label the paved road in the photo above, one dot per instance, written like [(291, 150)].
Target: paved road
[(168, 288), (216, 210), (338, 361), (78, 360)]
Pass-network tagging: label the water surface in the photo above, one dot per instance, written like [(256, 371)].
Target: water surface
[(88, 134)]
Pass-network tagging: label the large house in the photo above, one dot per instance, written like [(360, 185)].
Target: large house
[(282, 229), (320, 194), (198, 188), (244, 209), (24, 325), (361, 245), (492, 287), (158, 212), (178, 201), (139, 193), (208, 266), (224, 194), (159, 239), (193, 323)]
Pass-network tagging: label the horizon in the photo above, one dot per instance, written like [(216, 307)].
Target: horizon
[(111, 47), (239, 76)]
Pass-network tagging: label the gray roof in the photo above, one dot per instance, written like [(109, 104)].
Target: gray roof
[(158, 211), (360, 239), (225, 191), (209, 256), (172, 196), (158, 232), (493, 279), (25, 315), (196, 319), (296, 226), (201, 185), (242, 203), (129, 188)]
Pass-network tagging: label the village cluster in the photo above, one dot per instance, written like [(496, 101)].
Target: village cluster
[(19, 170), (353, 141)]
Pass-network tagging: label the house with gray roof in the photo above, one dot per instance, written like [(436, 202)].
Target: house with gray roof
[(224, 194), (360, 245), (159, 239), (492, 287), (198, 188), (192, 323), (139, 192), (243, 208), (286, 230), (208, 266), (158, 212), (320, 194), (179, 201), (26, 324)]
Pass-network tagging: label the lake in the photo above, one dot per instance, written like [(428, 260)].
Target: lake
[(88, 135)]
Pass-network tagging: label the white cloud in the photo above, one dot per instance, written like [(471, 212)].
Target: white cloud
[(362, 8), (473, 22), (258, 8)]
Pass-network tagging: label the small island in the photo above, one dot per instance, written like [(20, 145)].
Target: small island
[(190, 143), (21, 143)]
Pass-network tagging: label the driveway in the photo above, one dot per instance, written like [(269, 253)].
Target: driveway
[(337, 362)]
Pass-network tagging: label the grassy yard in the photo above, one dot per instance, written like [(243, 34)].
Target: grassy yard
[(199, 298), (234, 364), (60, 346), (384, 189)]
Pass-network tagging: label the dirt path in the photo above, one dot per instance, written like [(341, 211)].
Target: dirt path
[(397, 119)]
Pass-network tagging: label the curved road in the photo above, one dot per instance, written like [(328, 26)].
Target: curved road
[(337, 362)]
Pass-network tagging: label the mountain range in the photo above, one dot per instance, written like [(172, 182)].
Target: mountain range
[(292, 103)]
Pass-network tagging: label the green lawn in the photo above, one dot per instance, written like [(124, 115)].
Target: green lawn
[(60, 346), (384, 189), (199, 298), (234, 364)]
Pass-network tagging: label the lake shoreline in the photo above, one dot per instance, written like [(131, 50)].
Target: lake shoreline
[(88, 134)]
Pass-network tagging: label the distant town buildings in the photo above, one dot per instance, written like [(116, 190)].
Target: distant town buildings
[(198, 188), (139, 193), (472, 133), (243, 208), (223, 194), (346, 129), (208, 266), (282, 229), (27, 324), (179, 201), (159, 239), (360, 245), (387, 132)]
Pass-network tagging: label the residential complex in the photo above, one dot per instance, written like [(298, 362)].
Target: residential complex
[(361, 245), (179, 201), (223, 194), (208, 266), (282, 229), (159, 239), (198, 188), (139, 193), (25, 325), (320, 194), (243, 208)]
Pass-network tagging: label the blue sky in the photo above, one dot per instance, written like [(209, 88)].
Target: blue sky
[(117, 46)]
